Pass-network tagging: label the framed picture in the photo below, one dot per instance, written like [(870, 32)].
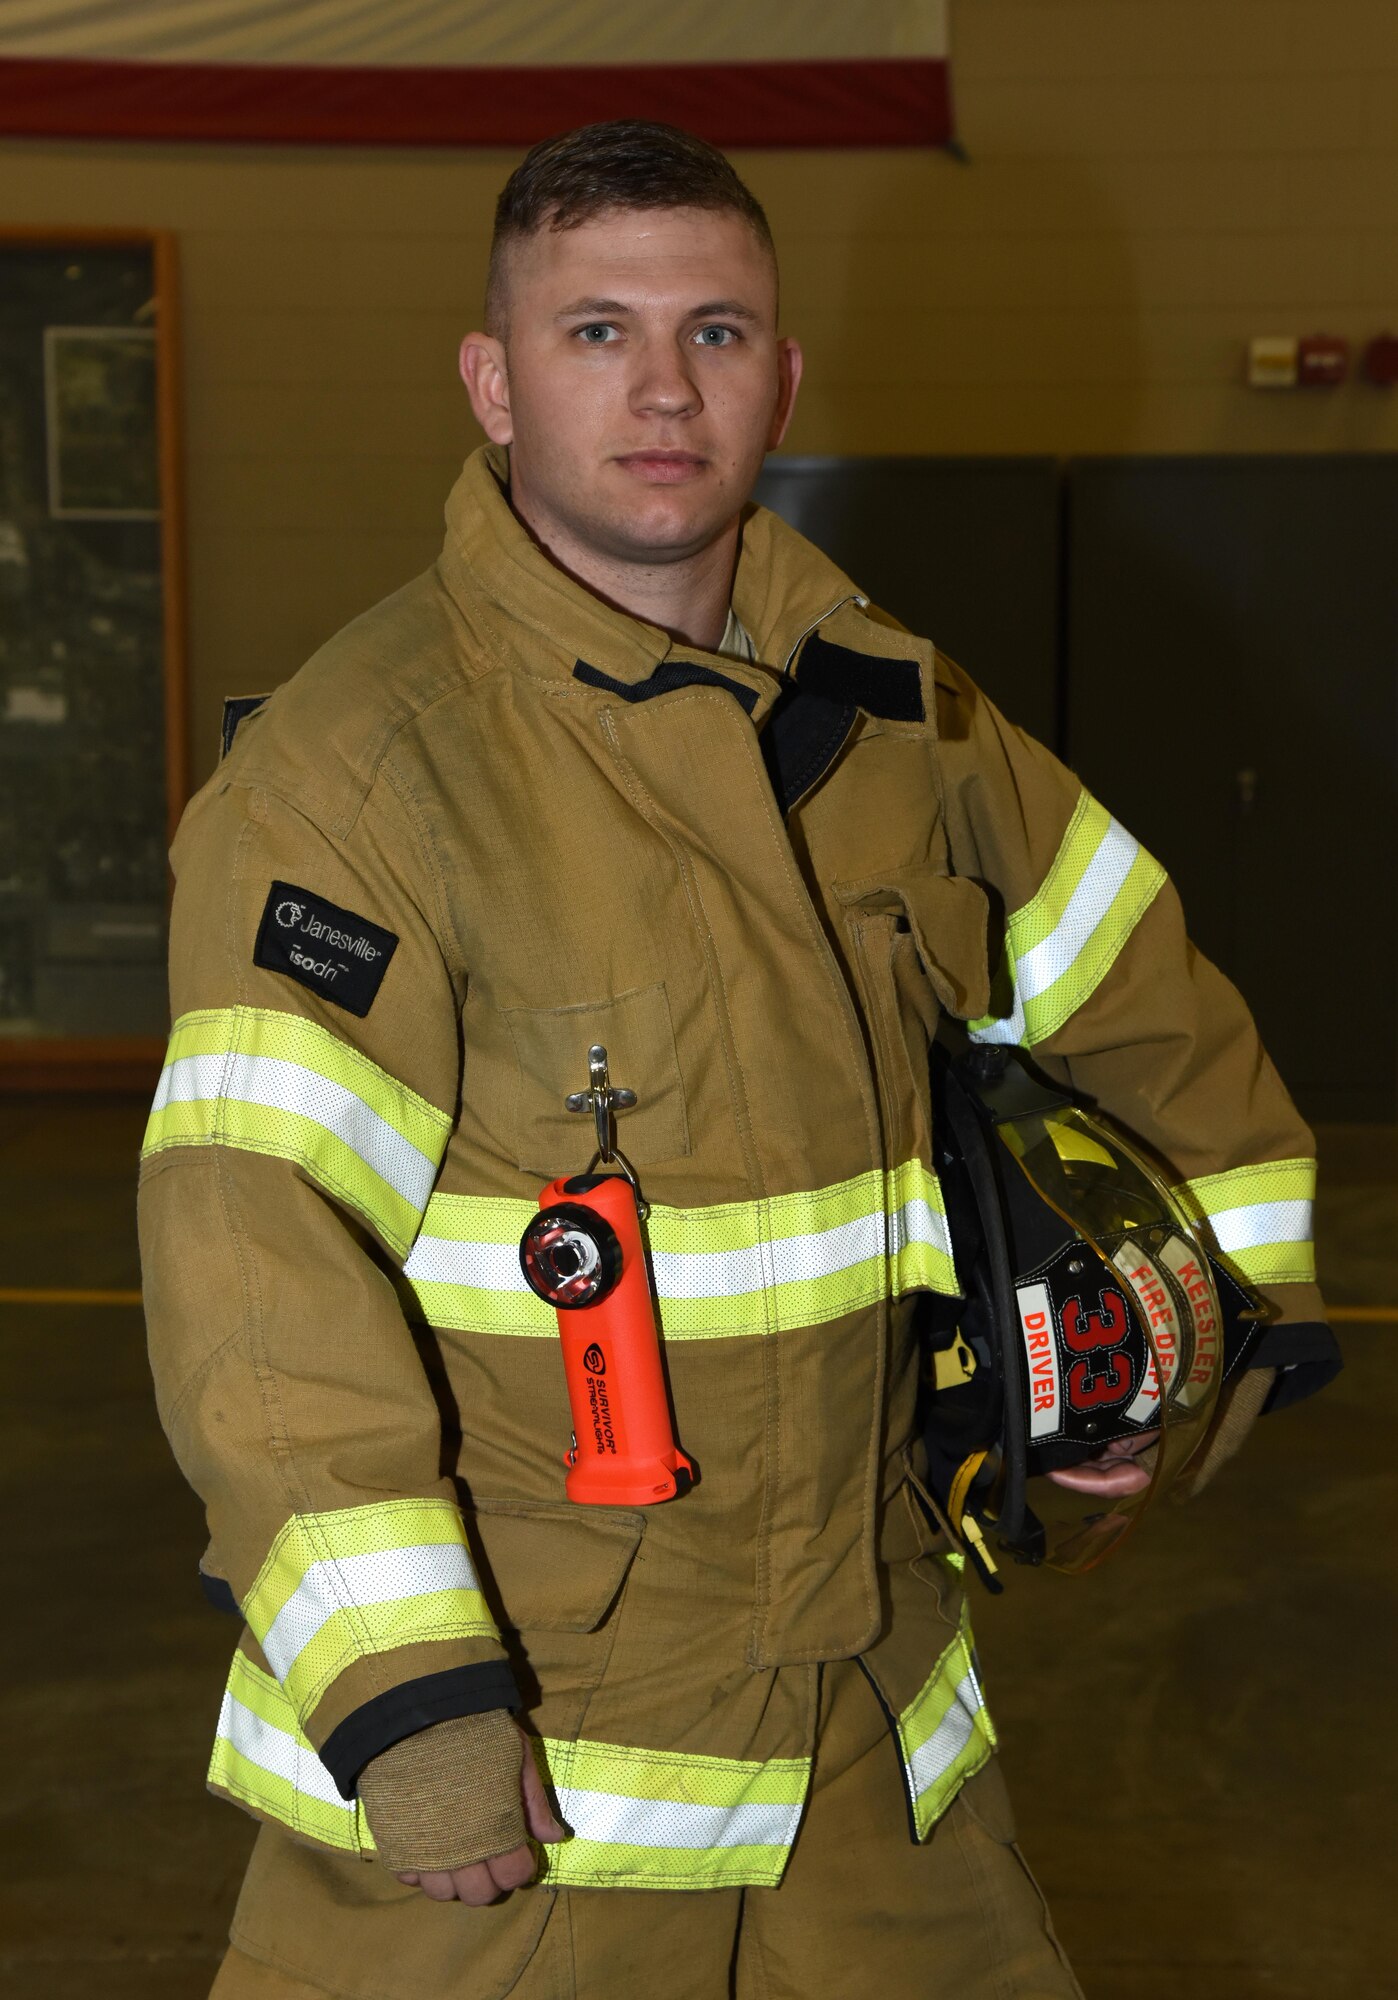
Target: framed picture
[(101, 423), (93, 702)]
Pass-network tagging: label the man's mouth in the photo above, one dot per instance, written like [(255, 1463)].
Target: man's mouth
[(662, 468)]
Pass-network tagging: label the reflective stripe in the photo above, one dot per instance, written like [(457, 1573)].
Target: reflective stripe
[(1269, 1222), (607, 1818), (945, 1734), (1062, 944), (338, 1586), (640, 1818), (750, 1267), (1258, 1220), (267, 1082), (919, 1234), (263, 1759), (651, 1819)]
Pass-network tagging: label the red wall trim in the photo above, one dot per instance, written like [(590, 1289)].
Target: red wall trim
[(865, 103)]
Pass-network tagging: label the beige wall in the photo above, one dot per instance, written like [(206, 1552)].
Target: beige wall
[(1150, 182)]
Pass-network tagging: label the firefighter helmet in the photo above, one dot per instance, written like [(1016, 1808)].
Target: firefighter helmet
[(1093, 1327)]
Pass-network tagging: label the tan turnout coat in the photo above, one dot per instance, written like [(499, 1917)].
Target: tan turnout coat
[(493, 822)]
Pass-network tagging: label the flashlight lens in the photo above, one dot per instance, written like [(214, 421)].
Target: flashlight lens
[(570, 1256)]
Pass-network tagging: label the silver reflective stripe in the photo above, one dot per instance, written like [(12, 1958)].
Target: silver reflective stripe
[(717, 1274), (1101, 881), (273, 1751), (486, 1267), (1259, 1223), (278, 1085), (934, 1758), (704, 1274), (383, 1576), (918, 1222), (1062, 944), (606, 1816), (1008, 1028)]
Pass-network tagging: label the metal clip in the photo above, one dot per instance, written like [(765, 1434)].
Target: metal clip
[(603, 1100)]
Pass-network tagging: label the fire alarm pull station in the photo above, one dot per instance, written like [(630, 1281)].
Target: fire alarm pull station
[(1322, 361)]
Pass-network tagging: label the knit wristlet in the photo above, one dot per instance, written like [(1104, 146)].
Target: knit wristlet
[(449, 1795)]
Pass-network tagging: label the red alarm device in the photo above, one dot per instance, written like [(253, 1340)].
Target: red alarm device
[(583, 1254)]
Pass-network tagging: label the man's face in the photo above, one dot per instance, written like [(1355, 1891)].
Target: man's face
[(639, 382)]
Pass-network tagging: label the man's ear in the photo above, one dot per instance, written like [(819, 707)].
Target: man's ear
[(790, 362), (487, 380)]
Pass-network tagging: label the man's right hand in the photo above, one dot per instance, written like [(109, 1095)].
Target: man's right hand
[(450, 1808), (1113, 1471)]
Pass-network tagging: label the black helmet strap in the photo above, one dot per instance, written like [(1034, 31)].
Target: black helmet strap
[(969, 1129)]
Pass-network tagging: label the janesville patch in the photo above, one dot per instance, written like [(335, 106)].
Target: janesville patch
[(336, 954)]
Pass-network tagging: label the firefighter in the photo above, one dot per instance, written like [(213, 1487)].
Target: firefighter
[(632, 766)]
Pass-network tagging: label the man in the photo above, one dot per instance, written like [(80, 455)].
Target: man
[(630, 766)]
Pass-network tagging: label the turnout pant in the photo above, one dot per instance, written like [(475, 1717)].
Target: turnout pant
[(860, 1910)]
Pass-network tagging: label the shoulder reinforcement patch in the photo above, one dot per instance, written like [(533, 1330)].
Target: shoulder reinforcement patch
[(331, 951)]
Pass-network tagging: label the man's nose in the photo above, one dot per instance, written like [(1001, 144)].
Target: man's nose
[(664, 384)]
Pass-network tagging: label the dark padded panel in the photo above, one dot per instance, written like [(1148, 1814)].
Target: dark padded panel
[(891, 687), (962, 550), (1229, 616), (802, 738)]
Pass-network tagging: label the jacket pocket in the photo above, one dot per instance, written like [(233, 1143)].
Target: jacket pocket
[(554, 1573), (551, 1045)]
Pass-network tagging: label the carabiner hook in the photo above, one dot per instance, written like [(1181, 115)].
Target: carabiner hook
[(603, 1099)]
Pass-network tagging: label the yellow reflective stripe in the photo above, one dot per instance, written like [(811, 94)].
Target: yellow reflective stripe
[(382, 1527), (920, 1234), (1258, 1220), (664, 1819), (945, 1733), (639, 1818), (732, 1269), (1046, 1011), (350, 1635), (266, 1082), (338, 1586), (1060, 946), (683, 1777), (1273, 1264), (292, 1038), (281, 1135), (263, 1759), (1042, 914)]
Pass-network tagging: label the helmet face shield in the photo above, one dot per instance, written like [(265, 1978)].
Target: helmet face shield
[(1088, 1350), (1121, 1332)]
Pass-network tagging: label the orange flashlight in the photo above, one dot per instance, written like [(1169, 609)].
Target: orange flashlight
[(583, 1254)]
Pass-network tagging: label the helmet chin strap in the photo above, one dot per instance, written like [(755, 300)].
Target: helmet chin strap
[(968, 1129)]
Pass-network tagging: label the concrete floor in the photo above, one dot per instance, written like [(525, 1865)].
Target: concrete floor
[(1199, 1740)]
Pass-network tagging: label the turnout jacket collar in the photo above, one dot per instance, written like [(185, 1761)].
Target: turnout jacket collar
[(783, 590)]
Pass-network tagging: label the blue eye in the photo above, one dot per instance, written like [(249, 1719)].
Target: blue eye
[(599, 334), (715, 336)]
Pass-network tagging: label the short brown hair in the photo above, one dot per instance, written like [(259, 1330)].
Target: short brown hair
[(622, 163)]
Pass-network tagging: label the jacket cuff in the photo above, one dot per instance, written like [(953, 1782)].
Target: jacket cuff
[(218, 1592), (410, 1707), (1306, 1356)]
